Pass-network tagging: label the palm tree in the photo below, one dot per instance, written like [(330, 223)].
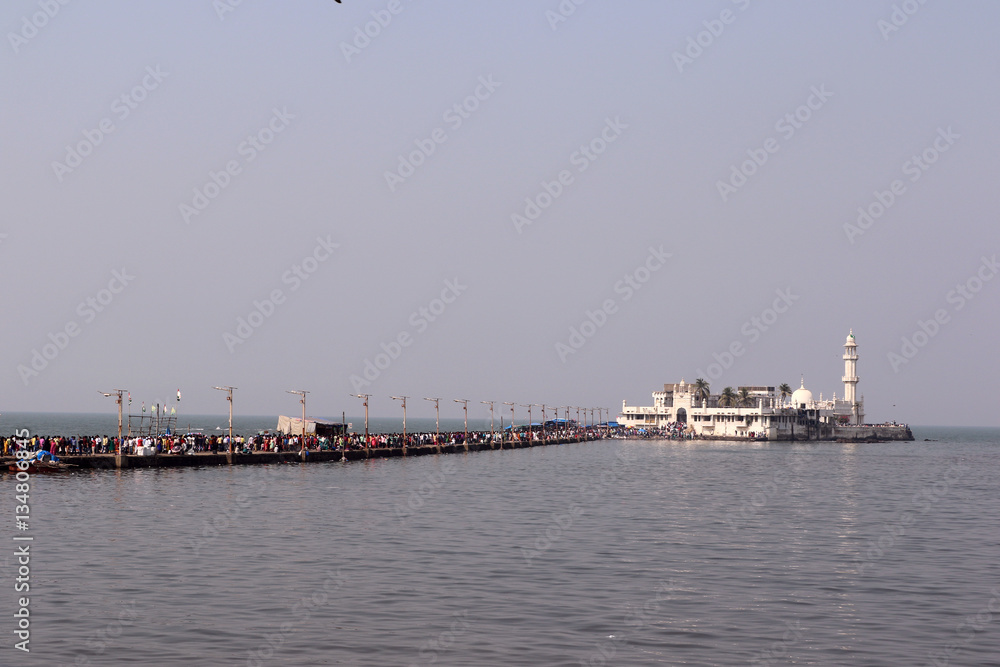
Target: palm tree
[(701, 389), (745, 399), (785, 391), (727, 398)]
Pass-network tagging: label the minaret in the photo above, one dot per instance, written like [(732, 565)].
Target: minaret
[(851, 373)]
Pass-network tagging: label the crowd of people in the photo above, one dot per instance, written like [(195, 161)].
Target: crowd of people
[(669, 431), (273, 442)]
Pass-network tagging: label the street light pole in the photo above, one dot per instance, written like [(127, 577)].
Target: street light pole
[(403, 399), (511, 422), (490, 403), (437, 418), (118, 394), (229, 398), (303, 401), (465, 406), (529, 418), (364, 397)]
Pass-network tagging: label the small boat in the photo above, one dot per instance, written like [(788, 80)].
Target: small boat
[(41, 467)]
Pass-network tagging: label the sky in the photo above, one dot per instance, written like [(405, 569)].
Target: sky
[(544, 202)]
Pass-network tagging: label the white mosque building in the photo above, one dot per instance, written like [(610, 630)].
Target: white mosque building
[(760, 411)]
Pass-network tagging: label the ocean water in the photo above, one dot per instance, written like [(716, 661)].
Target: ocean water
[(600, 553)]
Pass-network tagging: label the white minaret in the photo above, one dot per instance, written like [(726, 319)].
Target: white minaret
[(851, 372)]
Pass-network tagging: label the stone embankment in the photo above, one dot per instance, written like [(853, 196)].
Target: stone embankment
[(107, 461)]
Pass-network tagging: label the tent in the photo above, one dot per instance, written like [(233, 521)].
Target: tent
[(320, 427)]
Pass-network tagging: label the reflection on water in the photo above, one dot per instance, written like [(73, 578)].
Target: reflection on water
[(655, 553)]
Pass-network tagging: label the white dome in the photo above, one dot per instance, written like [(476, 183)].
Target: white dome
[(802, 395)]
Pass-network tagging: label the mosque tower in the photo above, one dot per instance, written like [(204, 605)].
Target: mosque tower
[(851, 376)]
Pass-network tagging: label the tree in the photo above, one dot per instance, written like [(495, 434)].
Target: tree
[(701, 389), (727, 398), (744, 398), (785, 391)]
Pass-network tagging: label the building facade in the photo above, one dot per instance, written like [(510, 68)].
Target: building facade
[(754, 411)]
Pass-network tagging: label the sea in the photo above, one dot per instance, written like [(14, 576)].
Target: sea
[(611, 552)]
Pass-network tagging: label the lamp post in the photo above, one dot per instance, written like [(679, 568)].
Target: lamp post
[(118, 394), (403, 399), (437, 418), (490, 403), (303, 401), (364, 397), (465, 406), (229, 398), (511, 422), (529, 418)]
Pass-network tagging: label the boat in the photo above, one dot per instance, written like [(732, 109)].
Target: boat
[(41, 467)]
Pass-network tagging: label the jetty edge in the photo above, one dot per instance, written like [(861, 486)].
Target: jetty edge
[(126, 461)]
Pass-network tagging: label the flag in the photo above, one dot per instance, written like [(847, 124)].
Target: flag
[(130, 398), (144, 406), (173, 411), (178, 395), (153, 408)]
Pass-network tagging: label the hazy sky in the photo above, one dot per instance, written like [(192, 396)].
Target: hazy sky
[(263, 195)]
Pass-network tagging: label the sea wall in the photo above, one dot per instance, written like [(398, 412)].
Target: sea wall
[(872, 433), (108, 461)]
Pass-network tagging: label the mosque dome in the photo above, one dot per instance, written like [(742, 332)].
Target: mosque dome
[(802, 395), (850, 338)]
